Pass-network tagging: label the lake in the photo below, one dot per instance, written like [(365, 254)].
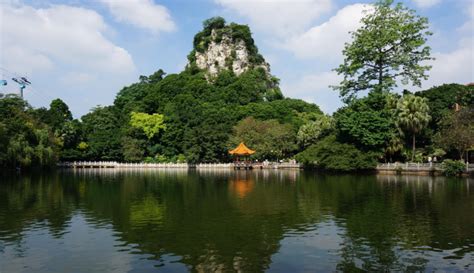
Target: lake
[(224, 221)]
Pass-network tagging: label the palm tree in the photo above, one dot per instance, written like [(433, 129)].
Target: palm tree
[(413, 116), (394, 145)]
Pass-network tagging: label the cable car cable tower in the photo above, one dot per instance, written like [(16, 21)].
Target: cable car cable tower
[(20, 80), (23, 82)]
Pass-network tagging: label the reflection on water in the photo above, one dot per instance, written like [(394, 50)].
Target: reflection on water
[(218, 221), (241, 184)]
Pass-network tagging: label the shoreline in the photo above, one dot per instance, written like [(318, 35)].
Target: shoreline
[(415, 169), (422, 169), (119, 165)]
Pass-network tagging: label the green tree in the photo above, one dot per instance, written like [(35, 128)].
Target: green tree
[(103, 134), (150, 124), (330, 154), (58, 114), (291, 111), (214, 23), (310, 132), (153, 78), (441, 100), (132, 149), (457, 131), (412, 116), (25, 141), (389, 45), (269, 138), (394, 146), (367, 123)]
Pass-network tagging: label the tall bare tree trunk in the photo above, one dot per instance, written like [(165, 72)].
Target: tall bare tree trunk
[(413, 153)]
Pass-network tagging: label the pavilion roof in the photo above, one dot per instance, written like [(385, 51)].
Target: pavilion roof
[(241, 150)]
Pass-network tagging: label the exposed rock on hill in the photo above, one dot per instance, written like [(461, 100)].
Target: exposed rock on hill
[(225, 47)]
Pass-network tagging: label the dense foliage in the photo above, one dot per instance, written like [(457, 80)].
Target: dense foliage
[(330, 154), (25, 141), (453, 167), (184, 117), (150, 124), (102, 134), (442, 99), (457, 131), (270, 138), (412, 117), (233, 31), (368, 122), (187, 117), (313, 130), (388, 47), (199, 116)]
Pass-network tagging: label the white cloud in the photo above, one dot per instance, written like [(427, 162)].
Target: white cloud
[(141, 13), (316, 88), (453, 67), (327, 40), (23, 59), (37, 39), (456, 66), (78, 78), (64, 51), (468, 27), (426, 3), (281, 17)]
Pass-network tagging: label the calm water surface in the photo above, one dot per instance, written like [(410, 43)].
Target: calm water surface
[(276, 221)]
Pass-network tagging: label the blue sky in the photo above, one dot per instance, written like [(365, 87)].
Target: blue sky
[(84, 52)]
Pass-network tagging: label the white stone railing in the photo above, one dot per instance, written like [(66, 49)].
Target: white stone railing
[(288, 165), (114, 164), (417, 166), (214, 165)]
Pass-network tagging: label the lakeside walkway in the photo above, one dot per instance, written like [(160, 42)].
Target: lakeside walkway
[(240, 165), (382, 168), (418, 168)]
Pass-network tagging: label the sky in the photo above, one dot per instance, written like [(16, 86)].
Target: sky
[(84, 52)]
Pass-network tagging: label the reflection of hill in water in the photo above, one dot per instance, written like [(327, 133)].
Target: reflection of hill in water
[(236, 220)]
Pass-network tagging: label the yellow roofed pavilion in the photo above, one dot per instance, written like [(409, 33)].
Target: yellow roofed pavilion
[(241, 150)]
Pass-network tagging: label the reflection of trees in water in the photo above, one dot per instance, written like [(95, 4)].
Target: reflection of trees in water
[(42, 200), (402, 214), (199, 217), (235, 220), (436, 209)]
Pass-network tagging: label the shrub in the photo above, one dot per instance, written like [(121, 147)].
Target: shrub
[(453, 167), (181, 159), (329, 154), (214, 23)]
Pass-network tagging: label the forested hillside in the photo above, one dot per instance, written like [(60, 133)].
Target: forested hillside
[(188, 116), (227, 94)]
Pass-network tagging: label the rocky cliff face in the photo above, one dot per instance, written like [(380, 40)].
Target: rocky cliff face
[(226, 54), (222, 47)]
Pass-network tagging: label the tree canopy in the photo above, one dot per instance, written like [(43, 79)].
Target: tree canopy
[(25, 141), (332, 155), (442, 99), (412, 116), (457, 131), (150, 124), (186, 117), (368, 122), (390, 45), (270, 139)]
